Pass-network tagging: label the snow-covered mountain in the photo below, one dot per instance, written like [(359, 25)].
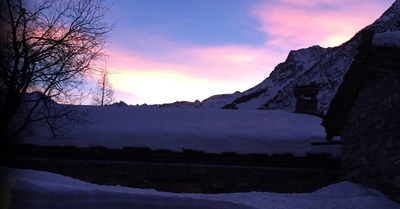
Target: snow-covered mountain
[(323, 66)]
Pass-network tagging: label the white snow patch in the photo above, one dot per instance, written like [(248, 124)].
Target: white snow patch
[(390, 39), (209, 130), (36, 189), (219, 101)]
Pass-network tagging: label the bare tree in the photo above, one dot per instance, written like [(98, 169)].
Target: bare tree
[(104, 94), (46, 46)]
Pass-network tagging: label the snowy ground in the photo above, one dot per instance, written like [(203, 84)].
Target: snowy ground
[(36, 189), (209, 130)]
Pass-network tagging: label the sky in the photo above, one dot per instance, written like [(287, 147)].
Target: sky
[(162, 51)]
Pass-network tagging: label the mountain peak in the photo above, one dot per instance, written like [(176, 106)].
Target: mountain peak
[(322, 66), (389, 21), (303, 55)]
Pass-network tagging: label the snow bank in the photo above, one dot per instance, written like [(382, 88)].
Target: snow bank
[(34, 189), (390, 39), (209, 130)]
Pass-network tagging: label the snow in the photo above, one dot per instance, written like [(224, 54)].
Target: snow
[(257, 102), (390, 39), (209, 130), (36, 189), (219, 101)]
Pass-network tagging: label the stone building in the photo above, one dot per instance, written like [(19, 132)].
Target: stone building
[(365, 112), (307, 101)]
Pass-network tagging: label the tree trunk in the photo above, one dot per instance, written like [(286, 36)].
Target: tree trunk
[(11, 106)]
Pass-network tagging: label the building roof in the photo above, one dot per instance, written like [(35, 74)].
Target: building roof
[(313, 88)]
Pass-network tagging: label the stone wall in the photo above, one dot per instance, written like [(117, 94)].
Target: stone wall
[(187, 171), (192, 178), (371, 136)]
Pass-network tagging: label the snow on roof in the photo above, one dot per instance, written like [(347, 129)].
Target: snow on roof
[(209, 130), (390, 39), (37, 189)]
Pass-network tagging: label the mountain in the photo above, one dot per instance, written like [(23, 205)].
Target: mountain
[(322, 66)]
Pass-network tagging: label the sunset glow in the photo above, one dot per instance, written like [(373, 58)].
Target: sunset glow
[(162, 52)]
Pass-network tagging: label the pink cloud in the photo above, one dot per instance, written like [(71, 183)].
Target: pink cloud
[(176, 71), (292, 24), (156, 70), (219, 63), (232, 61)]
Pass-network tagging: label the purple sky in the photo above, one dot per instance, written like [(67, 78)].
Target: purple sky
[(163, 51)]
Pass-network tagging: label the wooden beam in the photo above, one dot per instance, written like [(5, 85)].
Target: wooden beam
[(326, 143)]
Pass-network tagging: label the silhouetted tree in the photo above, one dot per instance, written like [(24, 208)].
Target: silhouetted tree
[(46, 46), (104, 94)]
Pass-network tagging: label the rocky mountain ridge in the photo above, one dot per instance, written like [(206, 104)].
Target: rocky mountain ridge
[(322, 66)]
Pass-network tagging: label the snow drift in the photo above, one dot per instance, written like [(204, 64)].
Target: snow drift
[(35, 189)]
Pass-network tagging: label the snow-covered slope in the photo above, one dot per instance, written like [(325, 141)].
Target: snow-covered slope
[(218, 101), (36, 189), (323, 66)]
